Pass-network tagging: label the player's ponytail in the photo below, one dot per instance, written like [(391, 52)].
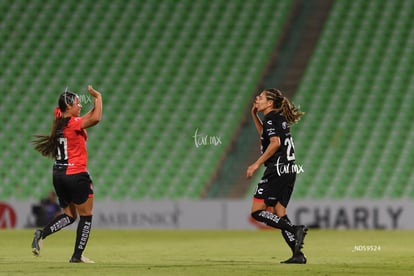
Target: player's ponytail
[(290, 111), (47, 145), (283, 105)]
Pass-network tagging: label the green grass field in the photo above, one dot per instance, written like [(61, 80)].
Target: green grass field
[(136, 252)]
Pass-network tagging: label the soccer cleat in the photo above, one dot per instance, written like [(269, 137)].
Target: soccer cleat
[(299, 258), (300, 234), (37, 242), (83, 259)]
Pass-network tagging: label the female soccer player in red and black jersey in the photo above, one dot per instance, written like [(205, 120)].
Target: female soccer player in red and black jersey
[(73, 185), (278, 155)]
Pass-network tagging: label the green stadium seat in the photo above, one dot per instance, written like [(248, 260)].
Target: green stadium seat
[(167, 68), (361, 111)]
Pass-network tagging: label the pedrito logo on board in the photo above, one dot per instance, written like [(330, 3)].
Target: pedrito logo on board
[(8, 218)]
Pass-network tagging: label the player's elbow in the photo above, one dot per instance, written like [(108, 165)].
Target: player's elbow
[(96, 118), (95, 121), (91, 122)]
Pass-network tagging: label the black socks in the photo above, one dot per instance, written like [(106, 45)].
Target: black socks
[(283, 223), (82, 235), (82, 232), (288, 236), (273, 220), (56, 224)]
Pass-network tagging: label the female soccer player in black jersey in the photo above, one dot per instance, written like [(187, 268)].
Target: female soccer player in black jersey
[(66, 144), (278, 155)]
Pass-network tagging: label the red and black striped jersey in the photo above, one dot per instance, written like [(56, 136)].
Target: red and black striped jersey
[(72, 153)]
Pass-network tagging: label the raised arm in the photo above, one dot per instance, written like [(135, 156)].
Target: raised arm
[(94, 115), (257, 122)]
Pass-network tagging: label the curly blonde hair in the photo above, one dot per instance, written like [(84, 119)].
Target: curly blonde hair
[(283, 105)]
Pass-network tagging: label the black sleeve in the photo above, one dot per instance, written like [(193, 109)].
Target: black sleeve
[(272, 127)]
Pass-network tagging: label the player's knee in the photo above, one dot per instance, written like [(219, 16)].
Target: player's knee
[(71, 216)]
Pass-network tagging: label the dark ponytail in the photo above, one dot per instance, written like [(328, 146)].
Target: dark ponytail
[(47, 145)]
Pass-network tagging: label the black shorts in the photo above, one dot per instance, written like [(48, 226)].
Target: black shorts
[(274, 188), (72, 188)]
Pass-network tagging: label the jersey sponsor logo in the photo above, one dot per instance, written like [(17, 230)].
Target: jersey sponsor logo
[(263, 180), (269, 122), (285, 125), (271, 131), (259, 191)]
